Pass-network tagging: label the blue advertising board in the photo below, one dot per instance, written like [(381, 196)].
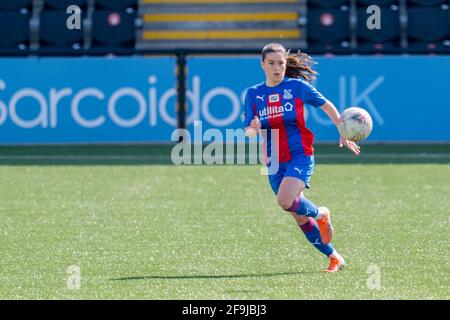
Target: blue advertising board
[(83, 100), (132, 99), (407, 97)]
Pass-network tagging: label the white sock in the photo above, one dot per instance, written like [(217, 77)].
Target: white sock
[(335, 254), (320, 211)]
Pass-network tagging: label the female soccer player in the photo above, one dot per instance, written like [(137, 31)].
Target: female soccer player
[(277, 105)]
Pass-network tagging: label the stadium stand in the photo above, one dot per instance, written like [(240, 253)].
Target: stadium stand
[(381, 3), (327, 4), (328, 29), (139, 26), (384, 40), (63, 4), (427, 2), (18, 41), (116, 4), (15, 4), (245, 24), (55, 39), (433, 36), (114, 29)]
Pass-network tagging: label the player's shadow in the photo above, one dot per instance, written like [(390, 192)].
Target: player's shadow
[(224, 276)]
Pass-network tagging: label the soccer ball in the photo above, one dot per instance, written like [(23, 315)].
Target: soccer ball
[(355, 124)]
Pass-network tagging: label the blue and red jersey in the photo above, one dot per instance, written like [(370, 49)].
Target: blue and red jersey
[(282, 107)]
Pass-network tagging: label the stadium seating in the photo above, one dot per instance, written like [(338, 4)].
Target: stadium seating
[(328, 29), (327, 3), (116, 4), (427, 2), (428, 29), (53, 37), (15, 4), (113, 29), (381, 3), (420, 26), (14, 31), (384, 40), (242, 25), (63, 4), (321, 26)]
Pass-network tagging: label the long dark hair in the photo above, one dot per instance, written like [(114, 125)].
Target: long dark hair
[(298, 65)]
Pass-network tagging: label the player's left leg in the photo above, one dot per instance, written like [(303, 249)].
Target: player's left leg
[(302, 206), (310, 229), (314, 221), (296, 179)]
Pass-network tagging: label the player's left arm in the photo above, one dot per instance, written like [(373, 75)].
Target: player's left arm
[(334, 115)]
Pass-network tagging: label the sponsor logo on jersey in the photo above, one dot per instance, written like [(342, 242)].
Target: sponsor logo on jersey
[(275, 110), (270, 111), (274, 98), (288, 106)]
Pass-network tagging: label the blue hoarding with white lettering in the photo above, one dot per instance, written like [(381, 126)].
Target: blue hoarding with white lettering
[(132, 99), (78, 100), (407, 97)]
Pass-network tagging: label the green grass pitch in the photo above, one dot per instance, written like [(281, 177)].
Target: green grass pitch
[(140, 229)]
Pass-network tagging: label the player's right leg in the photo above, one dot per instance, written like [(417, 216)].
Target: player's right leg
[(291, 198)]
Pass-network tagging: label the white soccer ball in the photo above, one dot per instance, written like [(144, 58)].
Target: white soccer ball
[(356, 124)]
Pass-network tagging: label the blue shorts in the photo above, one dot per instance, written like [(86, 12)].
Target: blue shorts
[(299, 167)]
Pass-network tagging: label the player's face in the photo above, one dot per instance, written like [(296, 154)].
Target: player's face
[(274, 67)]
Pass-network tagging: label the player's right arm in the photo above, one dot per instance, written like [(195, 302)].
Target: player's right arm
[(252, 124)]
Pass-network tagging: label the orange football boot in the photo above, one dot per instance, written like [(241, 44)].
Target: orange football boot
[(336, 263), (324, 224)]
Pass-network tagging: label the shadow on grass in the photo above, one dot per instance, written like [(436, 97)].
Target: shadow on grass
[(224, 276), (242, 291)]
